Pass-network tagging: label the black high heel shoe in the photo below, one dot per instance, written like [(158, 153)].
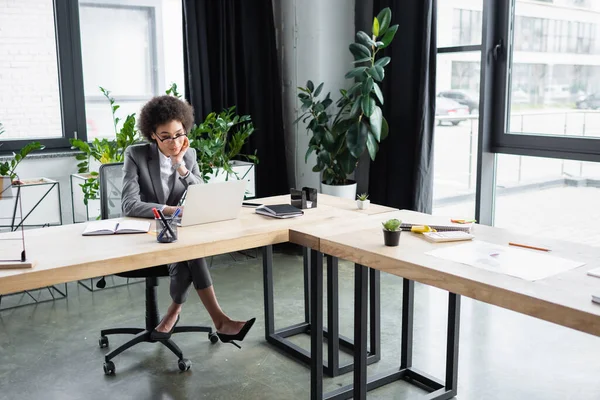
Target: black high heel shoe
[(227, 338), (156, 335)]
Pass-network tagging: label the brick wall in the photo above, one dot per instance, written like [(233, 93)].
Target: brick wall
[(29, 94)]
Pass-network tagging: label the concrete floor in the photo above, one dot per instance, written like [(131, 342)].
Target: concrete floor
[(50, 351)]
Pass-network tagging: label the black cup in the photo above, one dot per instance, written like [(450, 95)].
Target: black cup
[(391, 238)]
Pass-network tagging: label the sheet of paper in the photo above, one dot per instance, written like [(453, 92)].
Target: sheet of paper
[(531, 265)]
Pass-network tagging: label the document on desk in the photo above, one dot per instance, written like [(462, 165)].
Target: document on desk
[(531, 265)]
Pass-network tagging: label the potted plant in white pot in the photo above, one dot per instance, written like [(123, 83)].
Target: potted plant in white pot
[(391, 232), (362, 201), (8, 168), (217, 141), (341, 136)]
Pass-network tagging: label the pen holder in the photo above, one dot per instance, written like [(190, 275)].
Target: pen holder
[(162, 232), (305, 198)]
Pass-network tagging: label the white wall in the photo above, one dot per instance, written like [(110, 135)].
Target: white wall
[(313, 38)]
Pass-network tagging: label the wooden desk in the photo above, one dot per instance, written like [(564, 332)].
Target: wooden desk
[(564, 298), (63, 255)]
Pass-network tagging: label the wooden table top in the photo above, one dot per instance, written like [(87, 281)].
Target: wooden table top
[(62, 254), (564, 298)]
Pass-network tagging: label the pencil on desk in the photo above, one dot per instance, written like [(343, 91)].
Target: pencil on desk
[(528, 247)]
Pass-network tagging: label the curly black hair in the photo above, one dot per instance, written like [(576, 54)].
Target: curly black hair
[(164, 109)]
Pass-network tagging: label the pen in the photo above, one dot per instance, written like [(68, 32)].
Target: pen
[(164, 220), (528, 247)]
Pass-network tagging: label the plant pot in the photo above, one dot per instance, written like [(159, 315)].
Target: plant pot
[(343, 191), (6, 191), (363, 204), (391, 238)]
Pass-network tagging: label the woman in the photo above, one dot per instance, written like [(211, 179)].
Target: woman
[(156, 175)]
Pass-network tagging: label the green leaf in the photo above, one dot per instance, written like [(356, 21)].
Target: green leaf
[(376, 72), (362, 60), (318, 168), (308, 152), (378, 93), (364, 39), (355, 88), (355, 111), (318, 90), (367, 105), (383, 61), (367, 85), (347, 162), (359, 51), (375, 27), (324, 156), (355, 72), (310, 86), (356, 139), (384, 17), (389, 36), (329, 141), (376, 121), (372, 146), (384, 129)]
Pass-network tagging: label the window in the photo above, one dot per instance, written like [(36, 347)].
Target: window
[(50, 72), (30, 101), (457, 106), (531, 192), (134, 49)]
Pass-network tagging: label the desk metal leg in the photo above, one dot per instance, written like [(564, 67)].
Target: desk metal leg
[(437, 389), (316, 322), (361, 275), (335, 341)]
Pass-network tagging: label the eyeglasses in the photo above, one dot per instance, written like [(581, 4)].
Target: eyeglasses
[(174, 138)]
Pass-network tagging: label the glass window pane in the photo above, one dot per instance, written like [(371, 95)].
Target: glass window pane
[(29, 92), (459, 22), (555, 69), (135, 52), (549, 198), (455, 134)]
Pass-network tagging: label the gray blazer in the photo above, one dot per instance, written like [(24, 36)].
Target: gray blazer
[(142, 189)]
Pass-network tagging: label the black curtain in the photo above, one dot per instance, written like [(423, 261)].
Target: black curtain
[(231, 59), (402, 174)]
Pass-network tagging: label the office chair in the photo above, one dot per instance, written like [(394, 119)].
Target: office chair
[(111, 183)]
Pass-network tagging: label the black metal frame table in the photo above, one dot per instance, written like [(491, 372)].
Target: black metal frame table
[(336, 342), (437, 389)]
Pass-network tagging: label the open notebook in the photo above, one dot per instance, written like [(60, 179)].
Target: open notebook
[(111, 227)]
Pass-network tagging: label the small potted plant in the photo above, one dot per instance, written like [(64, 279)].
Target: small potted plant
[(362, 201), (391, 232)]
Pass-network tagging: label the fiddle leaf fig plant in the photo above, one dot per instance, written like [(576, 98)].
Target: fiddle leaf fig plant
[(341, 135)]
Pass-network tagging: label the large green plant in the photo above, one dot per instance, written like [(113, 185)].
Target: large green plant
[(7, 168), (104, 150), (339, 138), (219, 139)]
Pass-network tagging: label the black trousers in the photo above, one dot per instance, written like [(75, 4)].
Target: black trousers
[(184, 273)]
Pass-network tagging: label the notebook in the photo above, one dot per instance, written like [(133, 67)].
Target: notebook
[(450, 236), (279, 211), (440, 228), (111, 227)]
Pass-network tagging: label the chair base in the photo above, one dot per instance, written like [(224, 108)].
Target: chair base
[(142, 336)]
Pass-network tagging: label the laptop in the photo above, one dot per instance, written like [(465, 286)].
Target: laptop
[(212, 202)]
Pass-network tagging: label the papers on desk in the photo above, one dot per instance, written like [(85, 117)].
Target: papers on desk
[(111, 227), (594, 272), (531, 265)]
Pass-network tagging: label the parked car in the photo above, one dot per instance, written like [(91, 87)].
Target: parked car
[(589, 102), (469, 99), (451, 109)]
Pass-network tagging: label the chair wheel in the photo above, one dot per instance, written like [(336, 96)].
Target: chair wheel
[(184, 364), (109, 368), (103, 342), (213, 337)]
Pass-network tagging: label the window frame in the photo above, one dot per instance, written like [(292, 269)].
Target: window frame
[(503, 141)]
